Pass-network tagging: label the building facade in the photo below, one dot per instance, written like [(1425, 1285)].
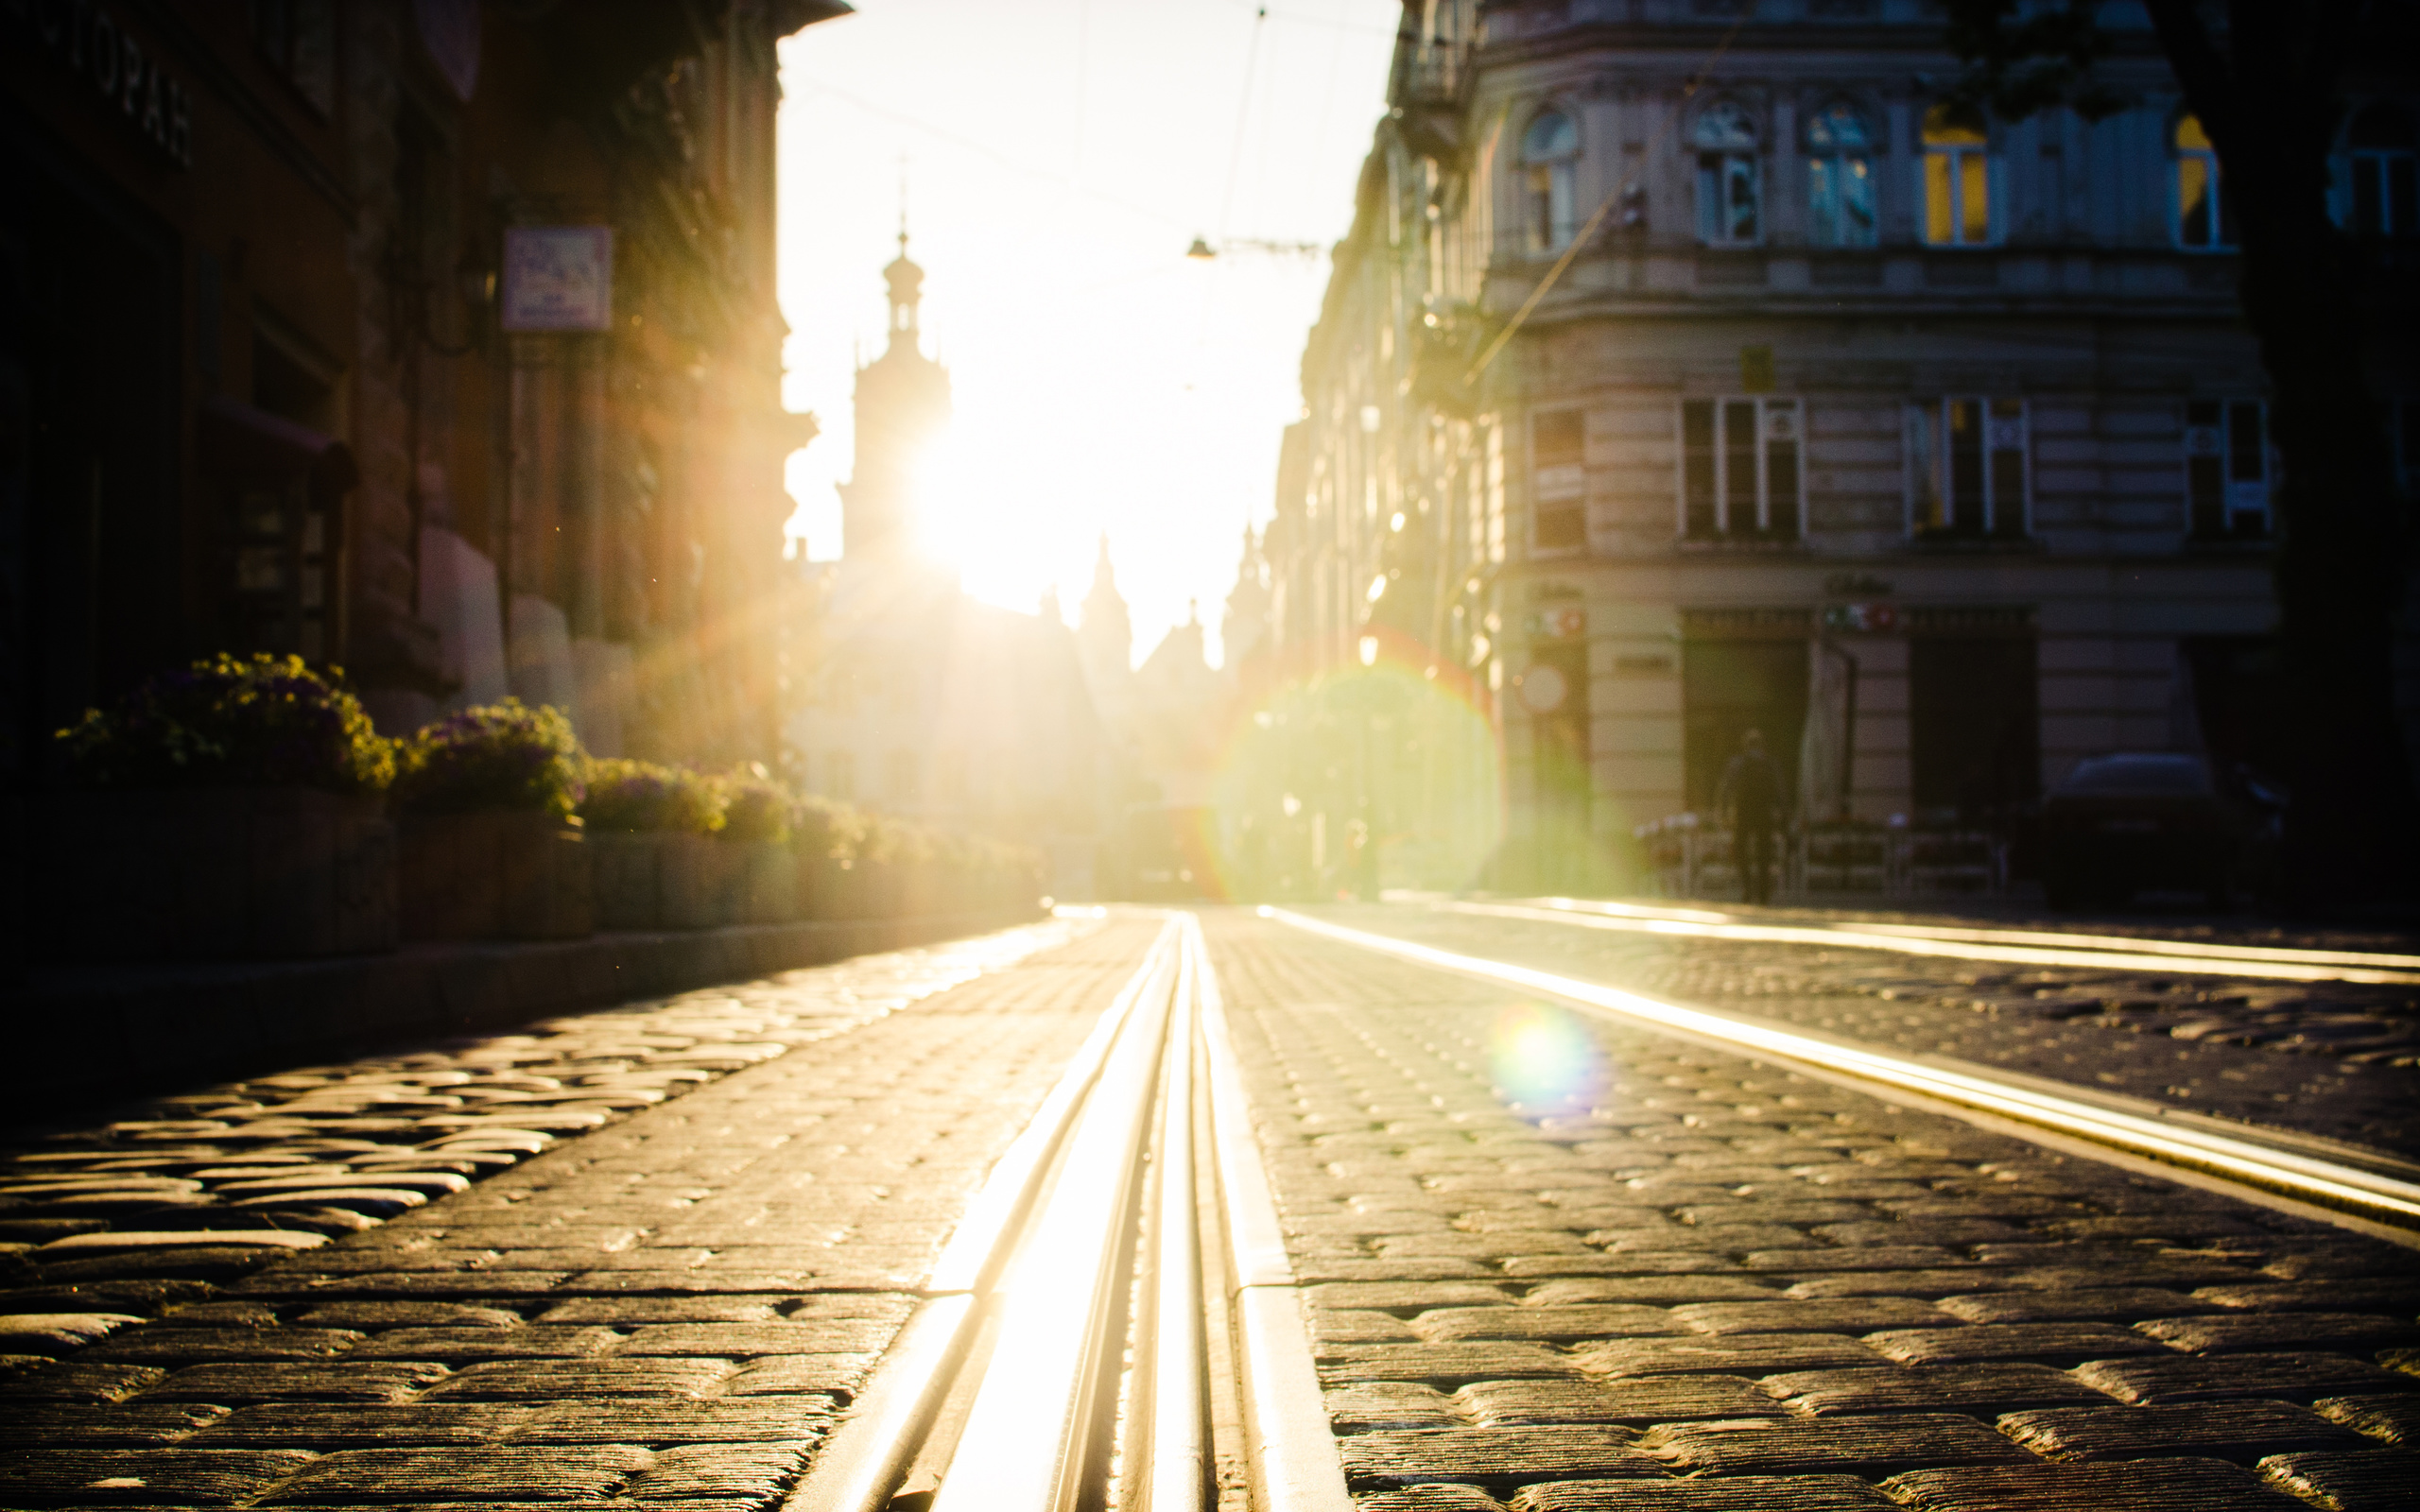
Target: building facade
[(912, 697), (1693, 369), (431, 338)]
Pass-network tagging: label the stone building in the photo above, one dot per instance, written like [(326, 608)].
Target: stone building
[(916, 699), (1690, 368), (434, 340)]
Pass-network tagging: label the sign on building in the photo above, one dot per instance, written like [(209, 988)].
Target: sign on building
[(559, 277)]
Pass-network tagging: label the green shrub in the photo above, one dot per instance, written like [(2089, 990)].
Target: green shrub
[(495, 756), (755, 808), (642, 796), (233, 721), (821, 827)]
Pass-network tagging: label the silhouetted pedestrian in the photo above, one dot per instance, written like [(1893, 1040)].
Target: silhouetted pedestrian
[(1751, 797)]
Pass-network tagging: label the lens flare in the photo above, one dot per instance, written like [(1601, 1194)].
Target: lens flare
[(1543, 1058)]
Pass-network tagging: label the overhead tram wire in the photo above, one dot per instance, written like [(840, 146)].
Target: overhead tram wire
[(1588, 233)]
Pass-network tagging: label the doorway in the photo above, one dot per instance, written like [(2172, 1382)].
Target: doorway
[(1729, 688)]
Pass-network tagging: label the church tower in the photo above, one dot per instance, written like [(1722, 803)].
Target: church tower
[(1105, 640), (902, 405)]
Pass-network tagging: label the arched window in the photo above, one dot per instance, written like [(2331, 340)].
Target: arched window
[(2203, 218), (1549, 161), (1958, 181), (2386, 191), (1727, 188), (1840, 178)]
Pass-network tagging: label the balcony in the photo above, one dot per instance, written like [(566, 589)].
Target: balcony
[(1432, 93)]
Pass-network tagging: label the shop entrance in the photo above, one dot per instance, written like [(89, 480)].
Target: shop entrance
[(1975, 726), (1728, 688)]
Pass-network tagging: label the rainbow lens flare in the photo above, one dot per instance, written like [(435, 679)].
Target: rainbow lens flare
[(1543, 1058)]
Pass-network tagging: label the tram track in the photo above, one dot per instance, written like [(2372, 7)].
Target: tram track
[(2361, 1190), (1059, 1358), (2043, 948)]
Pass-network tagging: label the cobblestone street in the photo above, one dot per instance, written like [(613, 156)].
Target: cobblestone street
[(1545, 1261)]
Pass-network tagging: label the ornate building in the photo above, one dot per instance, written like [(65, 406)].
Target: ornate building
[(913, 699), (1691, 368)]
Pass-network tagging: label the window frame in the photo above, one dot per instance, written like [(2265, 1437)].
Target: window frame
[(1933, 417), (1837, 157), (2380, 162), (1957, 155), (2215, 207), (1720, 164), (1550, 185), (2216, 439), (1720, 453)]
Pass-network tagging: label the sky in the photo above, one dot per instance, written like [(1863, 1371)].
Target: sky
[(1059, 157)]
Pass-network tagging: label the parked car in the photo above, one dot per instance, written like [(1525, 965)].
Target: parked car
[(2136, 821)]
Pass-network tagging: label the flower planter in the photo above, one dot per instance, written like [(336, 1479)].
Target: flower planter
[(626, 866), (495, 876), (768, 881), (227, 873), (698, 881)]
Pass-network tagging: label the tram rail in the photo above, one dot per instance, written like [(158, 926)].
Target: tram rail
[(1059, 1358), (2116, 952), (2365, 1191)]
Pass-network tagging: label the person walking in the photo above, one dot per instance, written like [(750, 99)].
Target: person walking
[(1751, 797)]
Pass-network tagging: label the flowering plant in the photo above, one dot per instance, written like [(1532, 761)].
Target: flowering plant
[(493, 756), (633, 795), (233, 721), (819, 827), (755, 807)]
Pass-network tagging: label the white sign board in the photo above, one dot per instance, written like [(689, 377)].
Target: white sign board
[(559, 277)]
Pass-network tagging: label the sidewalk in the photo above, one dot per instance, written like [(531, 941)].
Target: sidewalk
[(666, 1311), (102, 1033)]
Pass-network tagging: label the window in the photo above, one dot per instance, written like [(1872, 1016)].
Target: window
[(1727, 197), (2386, 191), (840, 776), (1966, 467), (2203, 218), (2226, 467), (1958, 181), (1550, 156), (1740, 468), (1840, 178), (1558, 442)]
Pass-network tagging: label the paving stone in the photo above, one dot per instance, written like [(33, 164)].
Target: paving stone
[(322, 1427), (534, 1341), (1442, 1363), (2172, 1484), (1640, 1401), (1490, 1456), (379, 1316), (2335, 1294), (1871, 1445), (1404, 1295), (1663, 1290), (560, 1473), (2107, 1304), (114, 1425), (830, 1374), (340, 1380), (2374, 1479), (2290, 1377), (1598, 1320), (2225, 1430), (74, 1381), (1376, 1405), (56, 1334), (1438, 1498), (2342, 1331), (2395, 1419), (1335, 1326), (1744, 1493), (189, 1477), (1735, 1355), (2012, 1341), (1979, 1388), (1810, 1317), (546, 1380), (166, 1344)]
